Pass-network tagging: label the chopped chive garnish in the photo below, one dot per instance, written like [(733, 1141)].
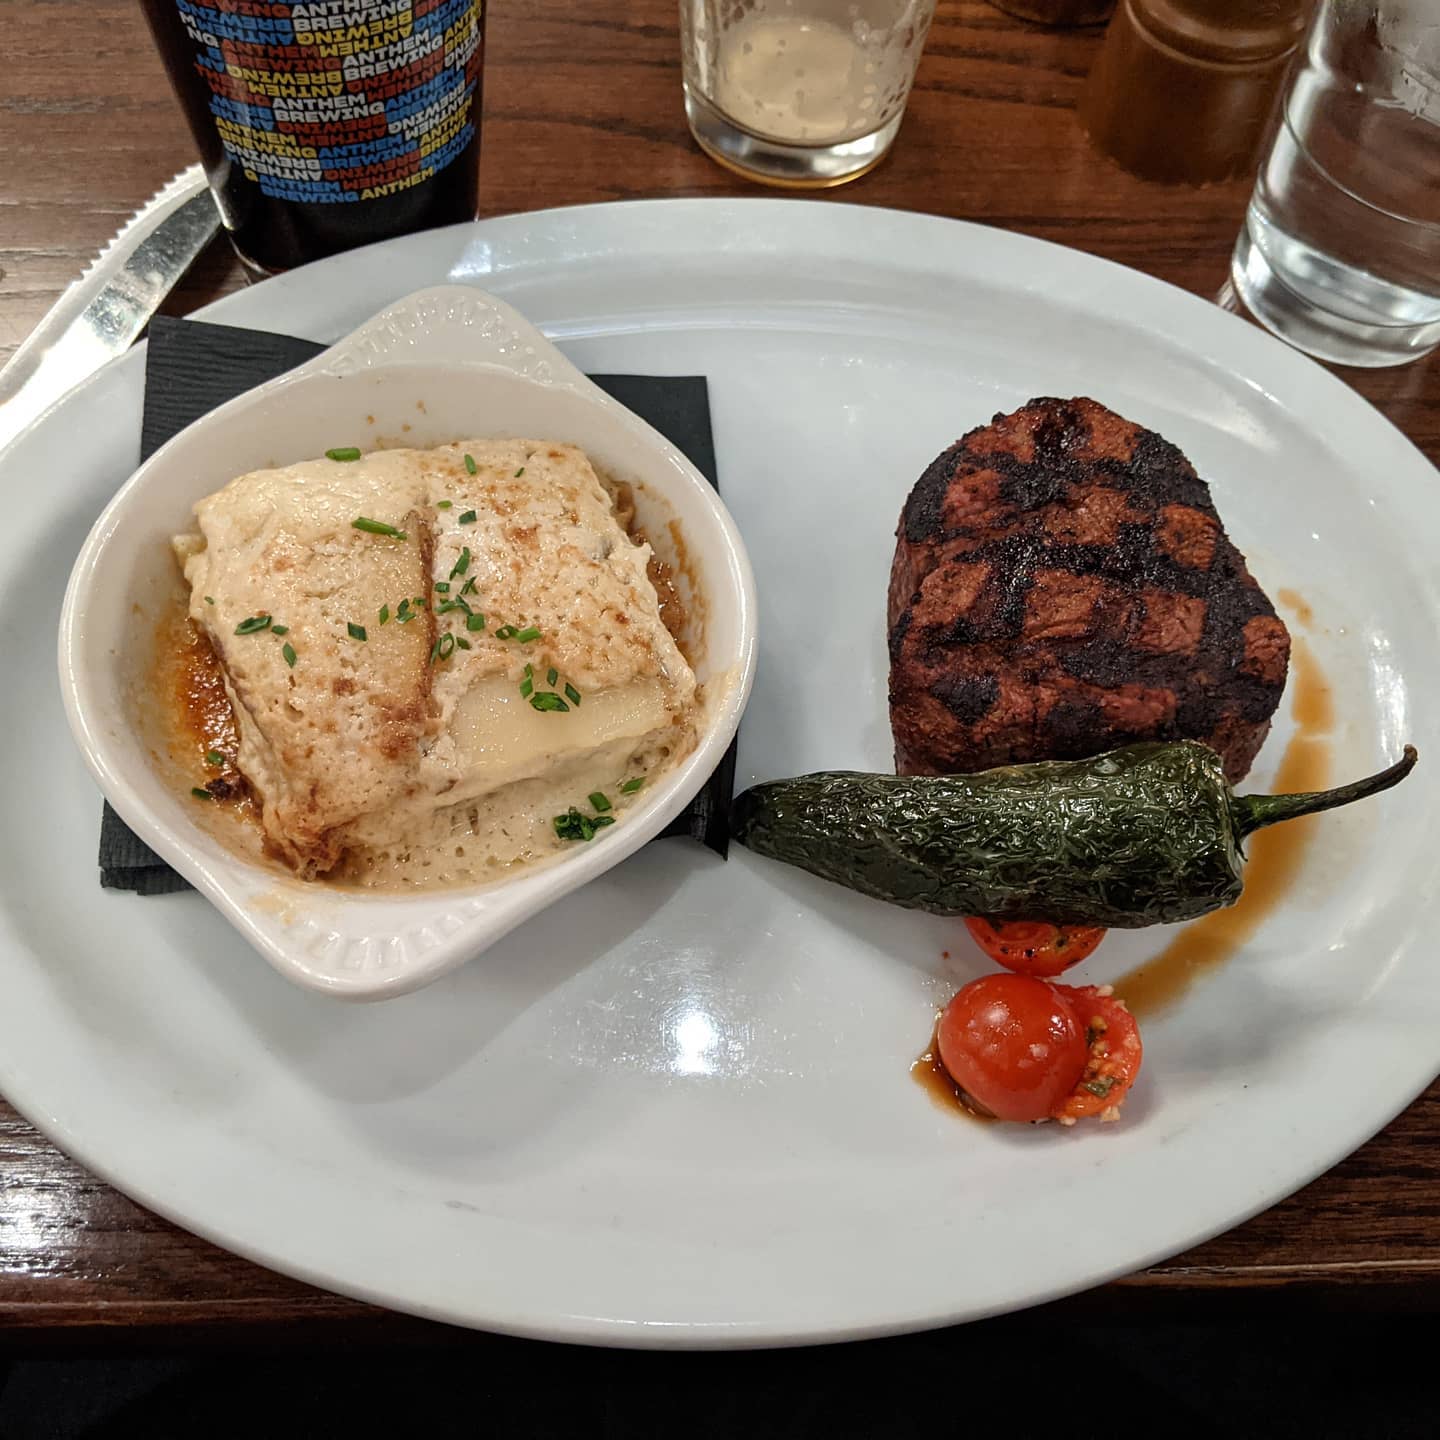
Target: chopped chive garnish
[(599, 800), (254, 625), (631, 786), (527, 635), (462, 642), (455, 603), (527, 687), (468, 518), (462, 564), (214, 757), (474, 622), (384, 613), (470, 464), (376, 527), (551, 675), (547, 700), (419, 602), (575, 826), (506, 632), (443, 586), (519, 472), (209, 599), (200, 794), (279, 629), (572, 694), (443, 648), (443, 504), (356, 632), (288, 651), (344, 452), (529, 672)]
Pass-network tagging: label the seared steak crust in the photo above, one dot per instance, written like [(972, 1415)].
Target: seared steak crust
[(1062, 585)]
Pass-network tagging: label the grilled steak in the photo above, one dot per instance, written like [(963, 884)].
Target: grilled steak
[(1062, 585)]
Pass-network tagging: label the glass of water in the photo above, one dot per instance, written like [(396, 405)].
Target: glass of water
[(1340, 253), (799, 93)]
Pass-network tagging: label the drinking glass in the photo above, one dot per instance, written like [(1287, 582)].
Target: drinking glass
[(800, 93), (1340, 251), (323, 126)]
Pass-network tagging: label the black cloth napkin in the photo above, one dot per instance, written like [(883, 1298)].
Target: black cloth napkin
[(192, 367)]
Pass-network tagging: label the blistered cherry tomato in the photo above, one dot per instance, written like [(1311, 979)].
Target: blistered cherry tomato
[(1014, 1045), (1113, 1054), (1033, 947)]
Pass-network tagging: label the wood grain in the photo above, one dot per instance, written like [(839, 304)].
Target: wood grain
[(583, 104)]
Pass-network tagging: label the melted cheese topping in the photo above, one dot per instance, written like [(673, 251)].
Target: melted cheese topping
[(499, 737), (354, 745)]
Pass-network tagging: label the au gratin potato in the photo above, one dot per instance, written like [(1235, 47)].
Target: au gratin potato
[(441, 662)]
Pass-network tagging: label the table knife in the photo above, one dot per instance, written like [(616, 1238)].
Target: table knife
[(101, 314)]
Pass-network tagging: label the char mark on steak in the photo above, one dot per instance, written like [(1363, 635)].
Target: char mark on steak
[(1062, 585)]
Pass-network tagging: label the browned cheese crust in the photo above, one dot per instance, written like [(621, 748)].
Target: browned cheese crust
[(1062, 585)]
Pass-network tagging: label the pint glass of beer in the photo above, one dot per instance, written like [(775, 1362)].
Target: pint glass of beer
[(326, 124)]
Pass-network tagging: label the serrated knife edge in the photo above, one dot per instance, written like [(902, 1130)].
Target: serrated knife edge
[(101, 314), (180, 188)]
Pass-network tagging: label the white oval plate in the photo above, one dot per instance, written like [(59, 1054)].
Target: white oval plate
[(442, 364), (674, 1108)]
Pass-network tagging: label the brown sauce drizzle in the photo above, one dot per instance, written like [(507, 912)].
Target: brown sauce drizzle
[(1273, 859), (934, 1079), (672, 607), (1298, 607), (673, 614), (191, 681)]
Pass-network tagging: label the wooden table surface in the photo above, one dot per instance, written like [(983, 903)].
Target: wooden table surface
[(582, 103)]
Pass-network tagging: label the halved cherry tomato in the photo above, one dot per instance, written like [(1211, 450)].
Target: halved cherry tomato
[(1033, 947), (1114, 1053), (1014, 1045)]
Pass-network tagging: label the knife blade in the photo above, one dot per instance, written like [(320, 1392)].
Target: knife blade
[(101, 314)]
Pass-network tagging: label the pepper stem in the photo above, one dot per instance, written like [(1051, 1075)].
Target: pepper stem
[(1255, 812)]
